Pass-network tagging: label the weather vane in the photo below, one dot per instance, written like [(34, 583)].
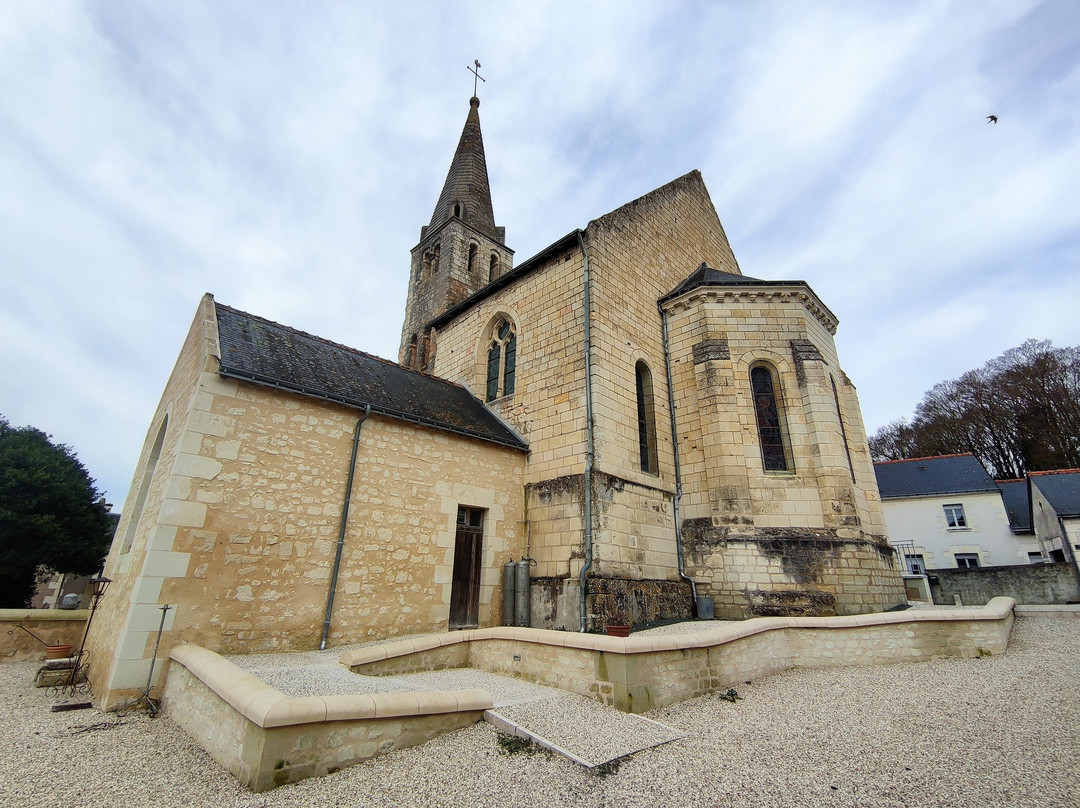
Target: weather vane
[(476, 75)]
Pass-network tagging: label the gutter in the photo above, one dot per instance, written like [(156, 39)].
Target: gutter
[(341, 530), (678, 471), (590, 452)]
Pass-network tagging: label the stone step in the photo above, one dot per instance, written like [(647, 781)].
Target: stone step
[(580, 729)]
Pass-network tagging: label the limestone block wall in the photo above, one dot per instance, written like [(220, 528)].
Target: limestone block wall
[(141, 557), (248, 529), (548, 403), (808, 540), (814, 574)]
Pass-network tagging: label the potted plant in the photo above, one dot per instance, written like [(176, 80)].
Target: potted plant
[(618, 622)]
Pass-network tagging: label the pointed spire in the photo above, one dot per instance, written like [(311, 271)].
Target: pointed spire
[(466, 183)]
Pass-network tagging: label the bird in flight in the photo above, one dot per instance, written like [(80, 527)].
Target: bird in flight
[(991, 118)]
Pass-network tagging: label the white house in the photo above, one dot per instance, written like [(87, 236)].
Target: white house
[(947, 512)]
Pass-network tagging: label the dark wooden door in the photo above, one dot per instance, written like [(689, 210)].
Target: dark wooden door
[(468, 553)]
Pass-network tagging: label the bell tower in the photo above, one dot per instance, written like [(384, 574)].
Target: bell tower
[(460, 250)]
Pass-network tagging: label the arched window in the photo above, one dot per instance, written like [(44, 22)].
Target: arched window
[(770, 425), (435, 259), (473, 264), (457, 210), (144, 487), (646, 419), (493, 267), (501, 361)]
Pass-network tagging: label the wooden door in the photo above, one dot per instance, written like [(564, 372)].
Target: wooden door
[(468, 553)]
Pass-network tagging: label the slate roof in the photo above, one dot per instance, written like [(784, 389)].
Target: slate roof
[(928, 476), (1062, 488), (467, 180), (264, 352), (1017, 504), (705, 275)]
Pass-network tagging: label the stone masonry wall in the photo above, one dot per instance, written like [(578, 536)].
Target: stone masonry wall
[(251, 521)]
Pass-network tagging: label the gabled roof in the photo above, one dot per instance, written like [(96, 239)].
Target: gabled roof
[(929, 476), (467, 181), (1017, 504), (1061, 488), (264, 352)]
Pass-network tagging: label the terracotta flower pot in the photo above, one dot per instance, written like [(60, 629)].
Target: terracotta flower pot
[(618, 631), (58, 652)]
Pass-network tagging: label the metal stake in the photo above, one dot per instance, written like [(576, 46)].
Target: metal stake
[(150, 677)]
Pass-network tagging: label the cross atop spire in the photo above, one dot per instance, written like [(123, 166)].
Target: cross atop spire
[(476, 75)]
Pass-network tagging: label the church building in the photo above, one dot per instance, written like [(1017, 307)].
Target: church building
[(659, 435)]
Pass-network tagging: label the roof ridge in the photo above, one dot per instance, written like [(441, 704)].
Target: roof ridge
[(342, 346), (1011, 480), (1053, 471), (929, 457)]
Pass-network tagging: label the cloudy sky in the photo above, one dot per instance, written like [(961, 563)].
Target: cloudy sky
[(284, 155)]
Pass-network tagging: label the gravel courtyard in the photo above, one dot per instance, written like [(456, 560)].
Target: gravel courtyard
[(1000, 731)]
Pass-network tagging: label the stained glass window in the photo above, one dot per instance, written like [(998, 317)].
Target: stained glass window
[(770, 430)]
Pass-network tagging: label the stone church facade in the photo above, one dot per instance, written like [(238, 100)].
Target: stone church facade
[(650, 426)]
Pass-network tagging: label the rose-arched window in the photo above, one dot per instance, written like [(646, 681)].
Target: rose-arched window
[(502, 360)]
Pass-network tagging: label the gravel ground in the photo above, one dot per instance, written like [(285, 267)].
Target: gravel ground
[(999, 731), (571, 722)]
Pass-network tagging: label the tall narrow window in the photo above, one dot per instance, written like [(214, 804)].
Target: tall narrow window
[(493, 371), (472, 260), (646, 419), (770, 428), (144, 487), (501, 361), (493, 267)]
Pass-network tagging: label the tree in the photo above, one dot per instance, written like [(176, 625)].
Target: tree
[(1017, 413), (51, 514)]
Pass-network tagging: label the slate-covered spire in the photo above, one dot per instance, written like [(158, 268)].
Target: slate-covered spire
[(466, 183)]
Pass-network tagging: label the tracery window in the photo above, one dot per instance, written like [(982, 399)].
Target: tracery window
[(770, 426), (502, 360), (646, 419)]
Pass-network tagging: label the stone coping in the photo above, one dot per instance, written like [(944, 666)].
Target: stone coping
[(1051, 610), (267, 707), (16, 615), (996, 609)]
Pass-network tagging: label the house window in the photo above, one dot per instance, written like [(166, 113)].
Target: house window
[(1035, 558), (770, 428), (954, 516), (967, 561), (501, 361), (646, 419), (916, 565)]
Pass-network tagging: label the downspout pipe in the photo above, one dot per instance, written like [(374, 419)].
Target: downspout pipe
[(341, 530), (678, 470), (590, 453)]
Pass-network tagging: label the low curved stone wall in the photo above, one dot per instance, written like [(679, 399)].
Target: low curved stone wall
[(637, 674), (266, 738), (54, 626)]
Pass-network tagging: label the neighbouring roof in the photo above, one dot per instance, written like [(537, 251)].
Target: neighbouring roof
[(1061, 488), (264, 352), (928, 476), (1017, 504)]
